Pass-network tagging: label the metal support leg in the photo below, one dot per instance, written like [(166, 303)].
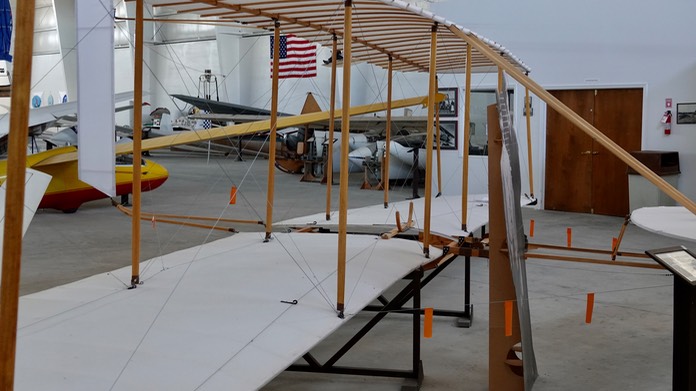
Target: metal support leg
[(414, 384), (412, 290), (468, 318)]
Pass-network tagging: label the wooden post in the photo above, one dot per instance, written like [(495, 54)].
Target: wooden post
[(576, 119), (528, 106), (274, 128), (467, 136), (501, 287), (387, 147), (332, 125), (429, 141), (345, 139), (137, 142), (14, 202), (437, 142)]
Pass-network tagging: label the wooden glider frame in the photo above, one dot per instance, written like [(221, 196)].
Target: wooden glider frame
[(185, 220)]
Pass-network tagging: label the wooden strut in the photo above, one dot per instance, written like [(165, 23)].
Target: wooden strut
[(137, 143), (534, 246), (437, 142), (274, 128), (429, 141), (387, 146), (186, 220), (16, 174), (576, 119), (552, 257), (615, 249), (345, 139), (400, 227), (332, 125), (467, 136), (528, 106)]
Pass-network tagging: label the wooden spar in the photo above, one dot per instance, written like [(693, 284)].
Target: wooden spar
[(274, 129), (429, 141), (528, 106), (242, 129), (332, 125), (437, 142), (14, 202), (387, 148), (576, 119), (345, 139), (467, 135), (501, 79), (137, 142)]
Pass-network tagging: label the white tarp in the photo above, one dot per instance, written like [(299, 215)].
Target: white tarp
[(95, 89)]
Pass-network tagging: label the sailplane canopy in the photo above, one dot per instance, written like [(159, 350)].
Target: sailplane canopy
[(381, 29)]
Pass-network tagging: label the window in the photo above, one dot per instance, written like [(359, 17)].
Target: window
[(480, 100)]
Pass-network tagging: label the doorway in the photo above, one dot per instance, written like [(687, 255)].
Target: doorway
[(581, 175)]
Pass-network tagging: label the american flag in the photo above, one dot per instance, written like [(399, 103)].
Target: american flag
[(298, 57)]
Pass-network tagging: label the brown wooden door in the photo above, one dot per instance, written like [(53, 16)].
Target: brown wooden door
[(581, 175), (568, 163)]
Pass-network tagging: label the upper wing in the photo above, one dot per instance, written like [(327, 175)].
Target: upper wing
[(217, 107)]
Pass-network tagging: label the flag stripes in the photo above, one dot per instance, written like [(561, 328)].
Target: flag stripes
[(298, 58)]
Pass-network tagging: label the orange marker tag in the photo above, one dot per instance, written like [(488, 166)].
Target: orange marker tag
[(531, 228), (614, 243), (569, 233), (508, 318), (233, 195), (590, 308), (428, 323)]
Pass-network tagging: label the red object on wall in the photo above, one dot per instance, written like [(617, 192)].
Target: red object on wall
[(667, 121)]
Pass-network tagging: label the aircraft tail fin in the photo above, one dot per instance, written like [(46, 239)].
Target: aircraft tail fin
[(35, 186), (166, 124), (310, 105)]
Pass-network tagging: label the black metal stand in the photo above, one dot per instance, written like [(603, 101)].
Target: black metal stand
[(415, 180), (684, 351), (680, 261), (464, 318), (413, 376)]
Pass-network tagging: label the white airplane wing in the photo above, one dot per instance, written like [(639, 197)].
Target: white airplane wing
[(45, 115), (446, 212), (35, 186), (673, 221), (209, 318)]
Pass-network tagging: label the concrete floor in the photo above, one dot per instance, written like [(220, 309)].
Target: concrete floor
[(628, 344)]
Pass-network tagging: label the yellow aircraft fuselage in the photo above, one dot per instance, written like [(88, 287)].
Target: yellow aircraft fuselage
[(66, 192)]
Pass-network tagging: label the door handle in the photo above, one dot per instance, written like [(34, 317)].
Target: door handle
[(595, 153), (586, 153)]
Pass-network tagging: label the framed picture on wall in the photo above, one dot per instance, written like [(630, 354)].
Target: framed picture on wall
[(449, 106), (448, 134), (686, 113)]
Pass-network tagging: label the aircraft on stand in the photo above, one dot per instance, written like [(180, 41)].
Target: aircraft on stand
[(304, 150)]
